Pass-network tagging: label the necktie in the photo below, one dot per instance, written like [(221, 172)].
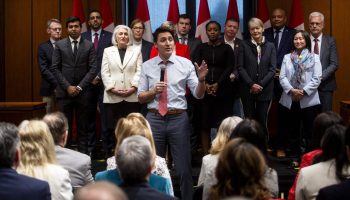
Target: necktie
[(75, 48), (183, 40), (96, 40), (316, 49), (277, 38), (163, 97)]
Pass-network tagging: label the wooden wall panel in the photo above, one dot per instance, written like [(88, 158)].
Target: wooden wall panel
[(2, 51), (341, 33), (18, 50), (43, 10)]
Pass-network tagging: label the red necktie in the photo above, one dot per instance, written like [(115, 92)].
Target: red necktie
[(316, 49), (163, 97), (96, 41)]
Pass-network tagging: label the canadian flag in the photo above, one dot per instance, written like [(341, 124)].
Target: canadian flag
[(173, 12), (203, 19), (232, 12), (106, 13), (143, 14), (263, 13), (78, 11), (296, 16)]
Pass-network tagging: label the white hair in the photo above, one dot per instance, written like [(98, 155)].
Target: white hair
[(116, 31), (316, 14)]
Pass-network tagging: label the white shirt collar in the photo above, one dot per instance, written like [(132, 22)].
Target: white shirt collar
[(71, 39)]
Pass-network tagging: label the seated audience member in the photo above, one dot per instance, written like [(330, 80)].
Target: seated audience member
[(331, 166), (136, 124), (207, 174), (338, 191), (135, 162), (100, 191), (14, 186), (240, 171), (77, 164), (253, 133), (38, 159), (320, 125)]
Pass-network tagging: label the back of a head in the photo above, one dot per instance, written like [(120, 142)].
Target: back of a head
[(37, 146), (252, 132), (100, 191), (58, 125), (321, 123), (239, 171), (134, 159), (9, 143), (224, 132), (333, 142)]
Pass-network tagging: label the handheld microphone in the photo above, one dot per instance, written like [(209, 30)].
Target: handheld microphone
[(162, 70)]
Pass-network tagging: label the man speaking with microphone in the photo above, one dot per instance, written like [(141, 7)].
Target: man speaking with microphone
[(162, 85)]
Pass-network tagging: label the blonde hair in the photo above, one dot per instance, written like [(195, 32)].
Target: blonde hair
[(224, 133), (134, 124), (37, 147), (255, 22)]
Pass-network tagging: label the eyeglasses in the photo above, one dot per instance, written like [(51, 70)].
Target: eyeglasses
[(56, 29), (137, 28)]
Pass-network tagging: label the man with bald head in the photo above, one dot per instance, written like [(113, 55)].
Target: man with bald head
[(282, 36)]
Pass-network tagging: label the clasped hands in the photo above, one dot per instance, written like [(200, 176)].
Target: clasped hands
[(211, 88), (255, 89), (73, 90), (297, 94), (123, 92)]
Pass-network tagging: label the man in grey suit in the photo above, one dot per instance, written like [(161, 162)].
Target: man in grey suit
[(77, 164), (74, 66), (324, 46)]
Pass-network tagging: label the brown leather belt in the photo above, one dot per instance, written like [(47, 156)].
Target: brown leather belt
[(170, 112)]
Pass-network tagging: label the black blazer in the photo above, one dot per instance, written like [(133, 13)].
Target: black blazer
[(104, 42), (78, 72), (251, 72), (14, 186), (335, 192), (286, 42), (329, 61), (143, 191), (146, 49), (48, 80)]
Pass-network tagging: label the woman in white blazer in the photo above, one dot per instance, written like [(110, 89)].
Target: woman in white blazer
[(300, 77), (120, 70)]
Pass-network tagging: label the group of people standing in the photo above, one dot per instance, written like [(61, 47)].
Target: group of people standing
[(121, 73)]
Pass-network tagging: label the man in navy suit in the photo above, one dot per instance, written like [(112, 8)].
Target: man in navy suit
[(282, 37), (101, 40), (325, 47), (74, 66), (45, 50), (14, 186)]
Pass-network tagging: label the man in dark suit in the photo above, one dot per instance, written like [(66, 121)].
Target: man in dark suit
[(182, 36), (45, 50), (101, 40), (324, 46), (282, 37), (133, 151), (14, 186), (74, 66), (138, 28), (230, 31), (77, 164)]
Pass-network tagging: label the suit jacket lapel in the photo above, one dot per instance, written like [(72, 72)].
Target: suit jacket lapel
[(128, 56), (324, 46), (70, 50), (116, 56)]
